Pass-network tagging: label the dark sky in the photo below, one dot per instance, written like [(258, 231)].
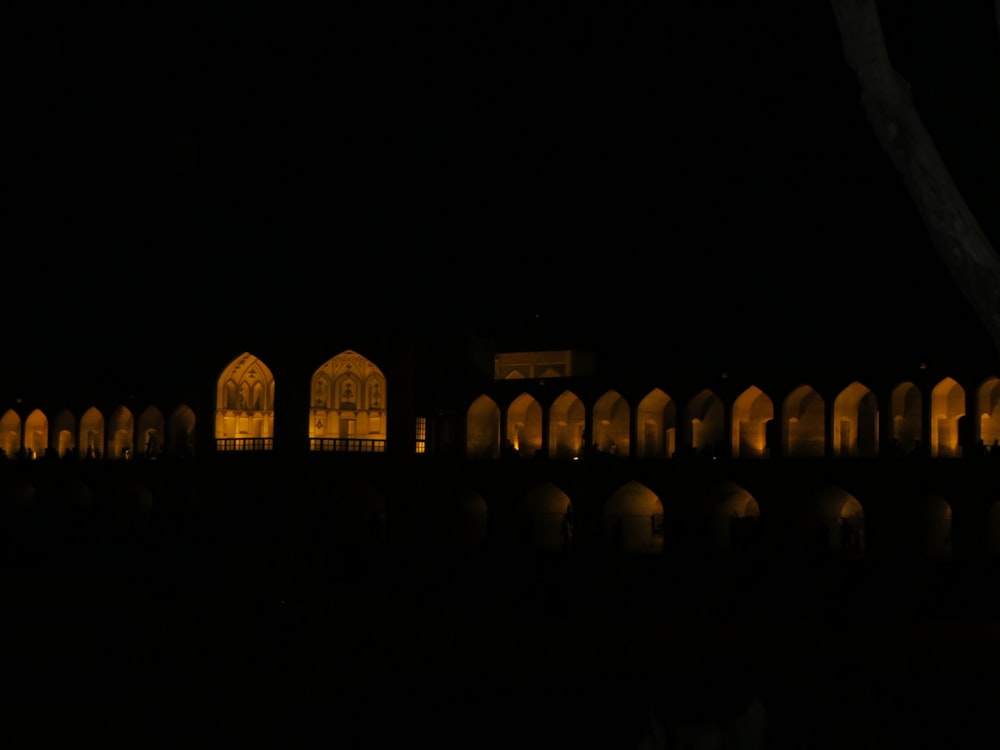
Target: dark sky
[(488, 164)]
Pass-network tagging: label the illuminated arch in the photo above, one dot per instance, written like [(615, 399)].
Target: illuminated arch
[(834, 518), (705, 426), (545, 516), (907, 411), (612, 422), (244, 406), (731, 515), (348, 407), (988, 411), (855, 422), (524, 425), (804, 414), (181, 432), (656, 420), (92, 433), (752, 411), (633, 520), (122, 429), (36, 434), (150, 432), (64, 429), (947, 408), (10, 434), (567, 421), (482, 428)]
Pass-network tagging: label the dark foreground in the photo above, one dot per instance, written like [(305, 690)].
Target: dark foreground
[(365, 650)]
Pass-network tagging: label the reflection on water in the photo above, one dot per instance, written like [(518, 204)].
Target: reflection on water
[(241, 641)]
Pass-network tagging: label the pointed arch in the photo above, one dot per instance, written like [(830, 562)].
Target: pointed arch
[(834, 522), (612, 424), (482, 428), (10, 434), (804, 428), (466, 517), (64, 430), (731, 516), (632, 520), (244, 408), (855, 422), (947, 408), (348, 405), (121, 428), (150, 432), (92, 433), (524, 426), (705, 425), (931, 528), (181, 432), (567, 422), (656, 422), (545, 518), (988, 413), (907, 412), (752, 411), (36, 434)]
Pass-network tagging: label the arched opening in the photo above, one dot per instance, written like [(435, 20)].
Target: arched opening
[(64, 427), (36, 434), (633, 520), (907, 418), (348, 408), (482, 428), (92, 433), (804, 414), (10, 434), (524, 427), (567, 422), (656, 418), (930, 537), (181, 431), (612, 423), (150, 431), (732, 520), (988, 409), (855, 422), (706, 424), (752, 410), (833, 524), (947, 408), (545, 518), (244, 410), (120, 444), (465, 522)]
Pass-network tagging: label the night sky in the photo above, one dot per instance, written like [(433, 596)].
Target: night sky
[(495, 166)]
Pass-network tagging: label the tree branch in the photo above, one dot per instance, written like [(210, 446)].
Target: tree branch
[(885, 96)]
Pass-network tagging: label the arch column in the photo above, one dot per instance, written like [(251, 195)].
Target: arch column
[(546, 421), (829, 426)]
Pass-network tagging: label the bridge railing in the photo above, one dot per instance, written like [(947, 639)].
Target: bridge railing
[(225, 445), (347, 445)]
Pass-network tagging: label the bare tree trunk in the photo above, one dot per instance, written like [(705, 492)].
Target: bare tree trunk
[(885, 95)]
